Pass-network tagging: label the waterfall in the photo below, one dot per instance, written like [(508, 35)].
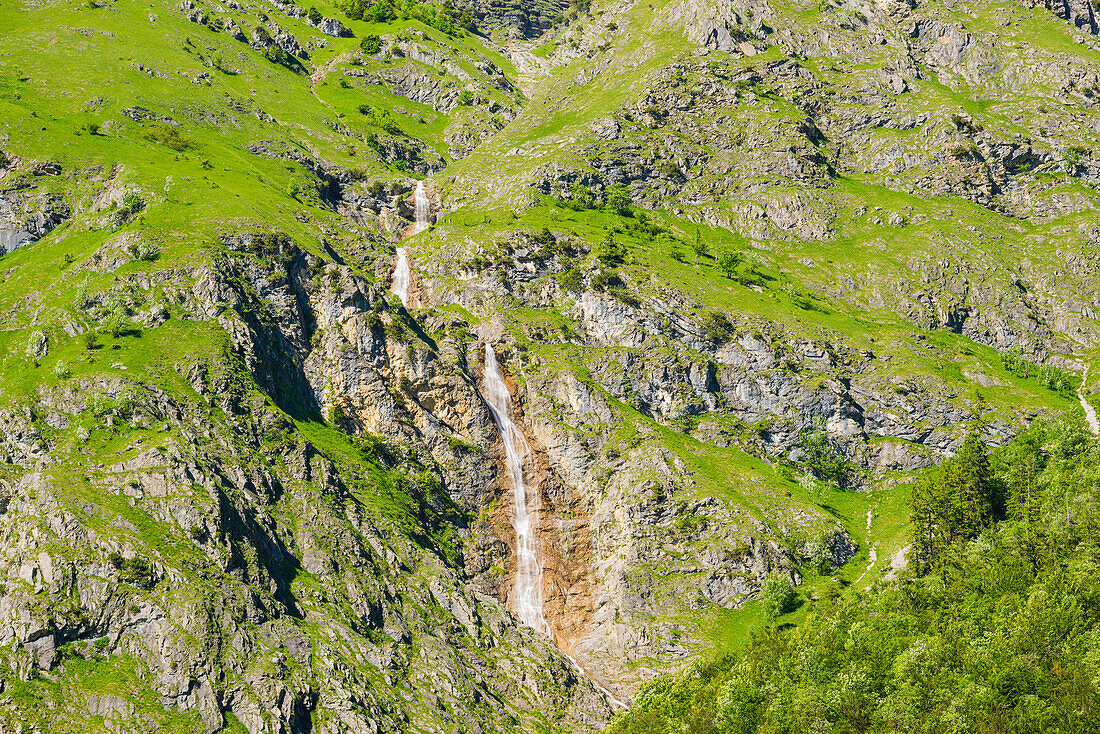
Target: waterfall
[(527, 594), (423, 208), (402, 275), (402, 270)]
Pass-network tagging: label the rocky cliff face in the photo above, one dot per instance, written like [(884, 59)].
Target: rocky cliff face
[(736, 138), (27, 213), (222, 562), (608, 505), (746, 266), (631, 535), (527, 20)]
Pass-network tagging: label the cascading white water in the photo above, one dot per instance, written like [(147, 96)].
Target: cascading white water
[(422, 209), (527, 594), (402, 274), (402, 270)]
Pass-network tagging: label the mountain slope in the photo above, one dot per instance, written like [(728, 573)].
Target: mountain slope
[(998, 635), (871, 277), (746, 269)]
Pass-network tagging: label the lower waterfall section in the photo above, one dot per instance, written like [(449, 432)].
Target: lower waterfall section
[(526, 600)]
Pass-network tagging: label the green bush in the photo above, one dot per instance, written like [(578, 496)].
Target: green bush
[(443, 18), (465, 20), (83, 298), (460, 446), (397, 330), (382, 11), (580, 197), (698, 247), (276, 55), (717, 327), (778, 595), (375, 448), (38, 345), (1049, 376), (1059, 381), (479, 263), (135, 571), (617, 199), (802, 299), (380, 118), (117, 321), (170, 137), (337, 414), (370, 44), (374, 144), (143, 250), (729, 261), (148, 251), (823, 459), (131, 203), (610, 252), (1016, 364), (571, 280), (603, 279)]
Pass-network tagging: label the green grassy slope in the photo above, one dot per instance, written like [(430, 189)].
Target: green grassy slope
[(998, 634), (171, 138)]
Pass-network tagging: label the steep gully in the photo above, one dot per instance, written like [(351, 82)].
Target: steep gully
[(526, 600), (527, 593)]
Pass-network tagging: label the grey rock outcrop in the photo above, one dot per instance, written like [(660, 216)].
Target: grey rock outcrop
[(26, 217)]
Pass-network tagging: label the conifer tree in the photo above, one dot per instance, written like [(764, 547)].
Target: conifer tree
[(954, 503), (971, 484), (923, 518)]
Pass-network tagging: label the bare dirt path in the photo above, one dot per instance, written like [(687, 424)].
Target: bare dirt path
[(1090, 412)]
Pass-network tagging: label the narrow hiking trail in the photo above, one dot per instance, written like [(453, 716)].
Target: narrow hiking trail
[(1090, 412)]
